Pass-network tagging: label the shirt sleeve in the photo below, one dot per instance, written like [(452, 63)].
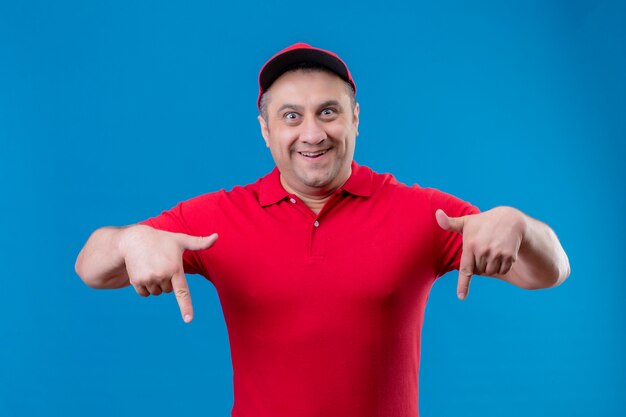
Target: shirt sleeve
[(447, 246), (185, 217)]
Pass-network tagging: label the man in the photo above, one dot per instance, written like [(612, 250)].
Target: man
[(323, 267)]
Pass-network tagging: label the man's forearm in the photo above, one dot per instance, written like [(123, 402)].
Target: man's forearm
[(100, 263)]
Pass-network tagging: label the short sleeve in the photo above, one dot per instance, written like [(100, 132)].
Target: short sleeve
[(447, 246), (185, 218)]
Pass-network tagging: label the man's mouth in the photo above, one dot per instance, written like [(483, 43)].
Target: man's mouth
[(313, 154)]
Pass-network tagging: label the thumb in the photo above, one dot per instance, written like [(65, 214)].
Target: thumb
[(451, 224), (197, 242)]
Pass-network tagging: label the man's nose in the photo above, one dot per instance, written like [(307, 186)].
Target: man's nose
[(312, 131)]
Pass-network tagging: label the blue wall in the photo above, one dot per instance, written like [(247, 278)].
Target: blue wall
[(113, 111)]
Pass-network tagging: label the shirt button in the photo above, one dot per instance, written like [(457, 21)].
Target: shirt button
[(316, 224), (292, 200)]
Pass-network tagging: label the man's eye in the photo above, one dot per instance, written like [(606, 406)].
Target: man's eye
[(290, 115), (328, 112)]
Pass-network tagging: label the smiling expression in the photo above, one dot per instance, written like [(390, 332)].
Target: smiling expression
[(311, 130)]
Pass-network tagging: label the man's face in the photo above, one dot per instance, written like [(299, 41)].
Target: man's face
[(310, 130)]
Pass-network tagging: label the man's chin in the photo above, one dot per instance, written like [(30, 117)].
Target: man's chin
[(322, 180), (316, 182)]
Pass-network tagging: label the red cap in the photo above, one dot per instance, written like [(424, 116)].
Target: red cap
[(300, 52)]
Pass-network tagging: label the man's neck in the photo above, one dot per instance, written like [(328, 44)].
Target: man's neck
[(314, 200), (315, 203)]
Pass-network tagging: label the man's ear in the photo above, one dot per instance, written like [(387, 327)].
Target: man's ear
[(264, 130), (355, 118)]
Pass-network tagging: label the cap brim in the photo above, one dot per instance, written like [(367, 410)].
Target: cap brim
[(277, 66)]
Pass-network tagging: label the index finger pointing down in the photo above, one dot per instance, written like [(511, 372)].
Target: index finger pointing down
[(183, 297), (466, 269)]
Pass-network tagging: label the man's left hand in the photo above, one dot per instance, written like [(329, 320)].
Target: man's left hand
[(491, 242)]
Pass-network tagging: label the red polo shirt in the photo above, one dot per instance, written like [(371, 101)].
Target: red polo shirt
[(324, 312)]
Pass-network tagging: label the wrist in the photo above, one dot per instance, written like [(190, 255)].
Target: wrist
[(523, 224), (518, 221), (124, 237)]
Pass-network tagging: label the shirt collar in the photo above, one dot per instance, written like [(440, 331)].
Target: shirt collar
[(360, 181), (271, 191)]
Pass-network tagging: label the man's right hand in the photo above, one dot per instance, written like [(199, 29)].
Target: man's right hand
[(154, 262)]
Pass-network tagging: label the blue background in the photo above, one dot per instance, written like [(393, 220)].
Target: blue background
[(113, 111)]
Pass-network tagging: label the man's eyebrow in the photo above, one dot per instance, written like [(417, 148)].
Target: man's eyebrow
[(299, 108), (289, 106), (331, 103)]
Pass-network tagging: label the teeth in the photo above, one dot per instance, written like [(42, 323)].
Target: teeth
[(312, 154)]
